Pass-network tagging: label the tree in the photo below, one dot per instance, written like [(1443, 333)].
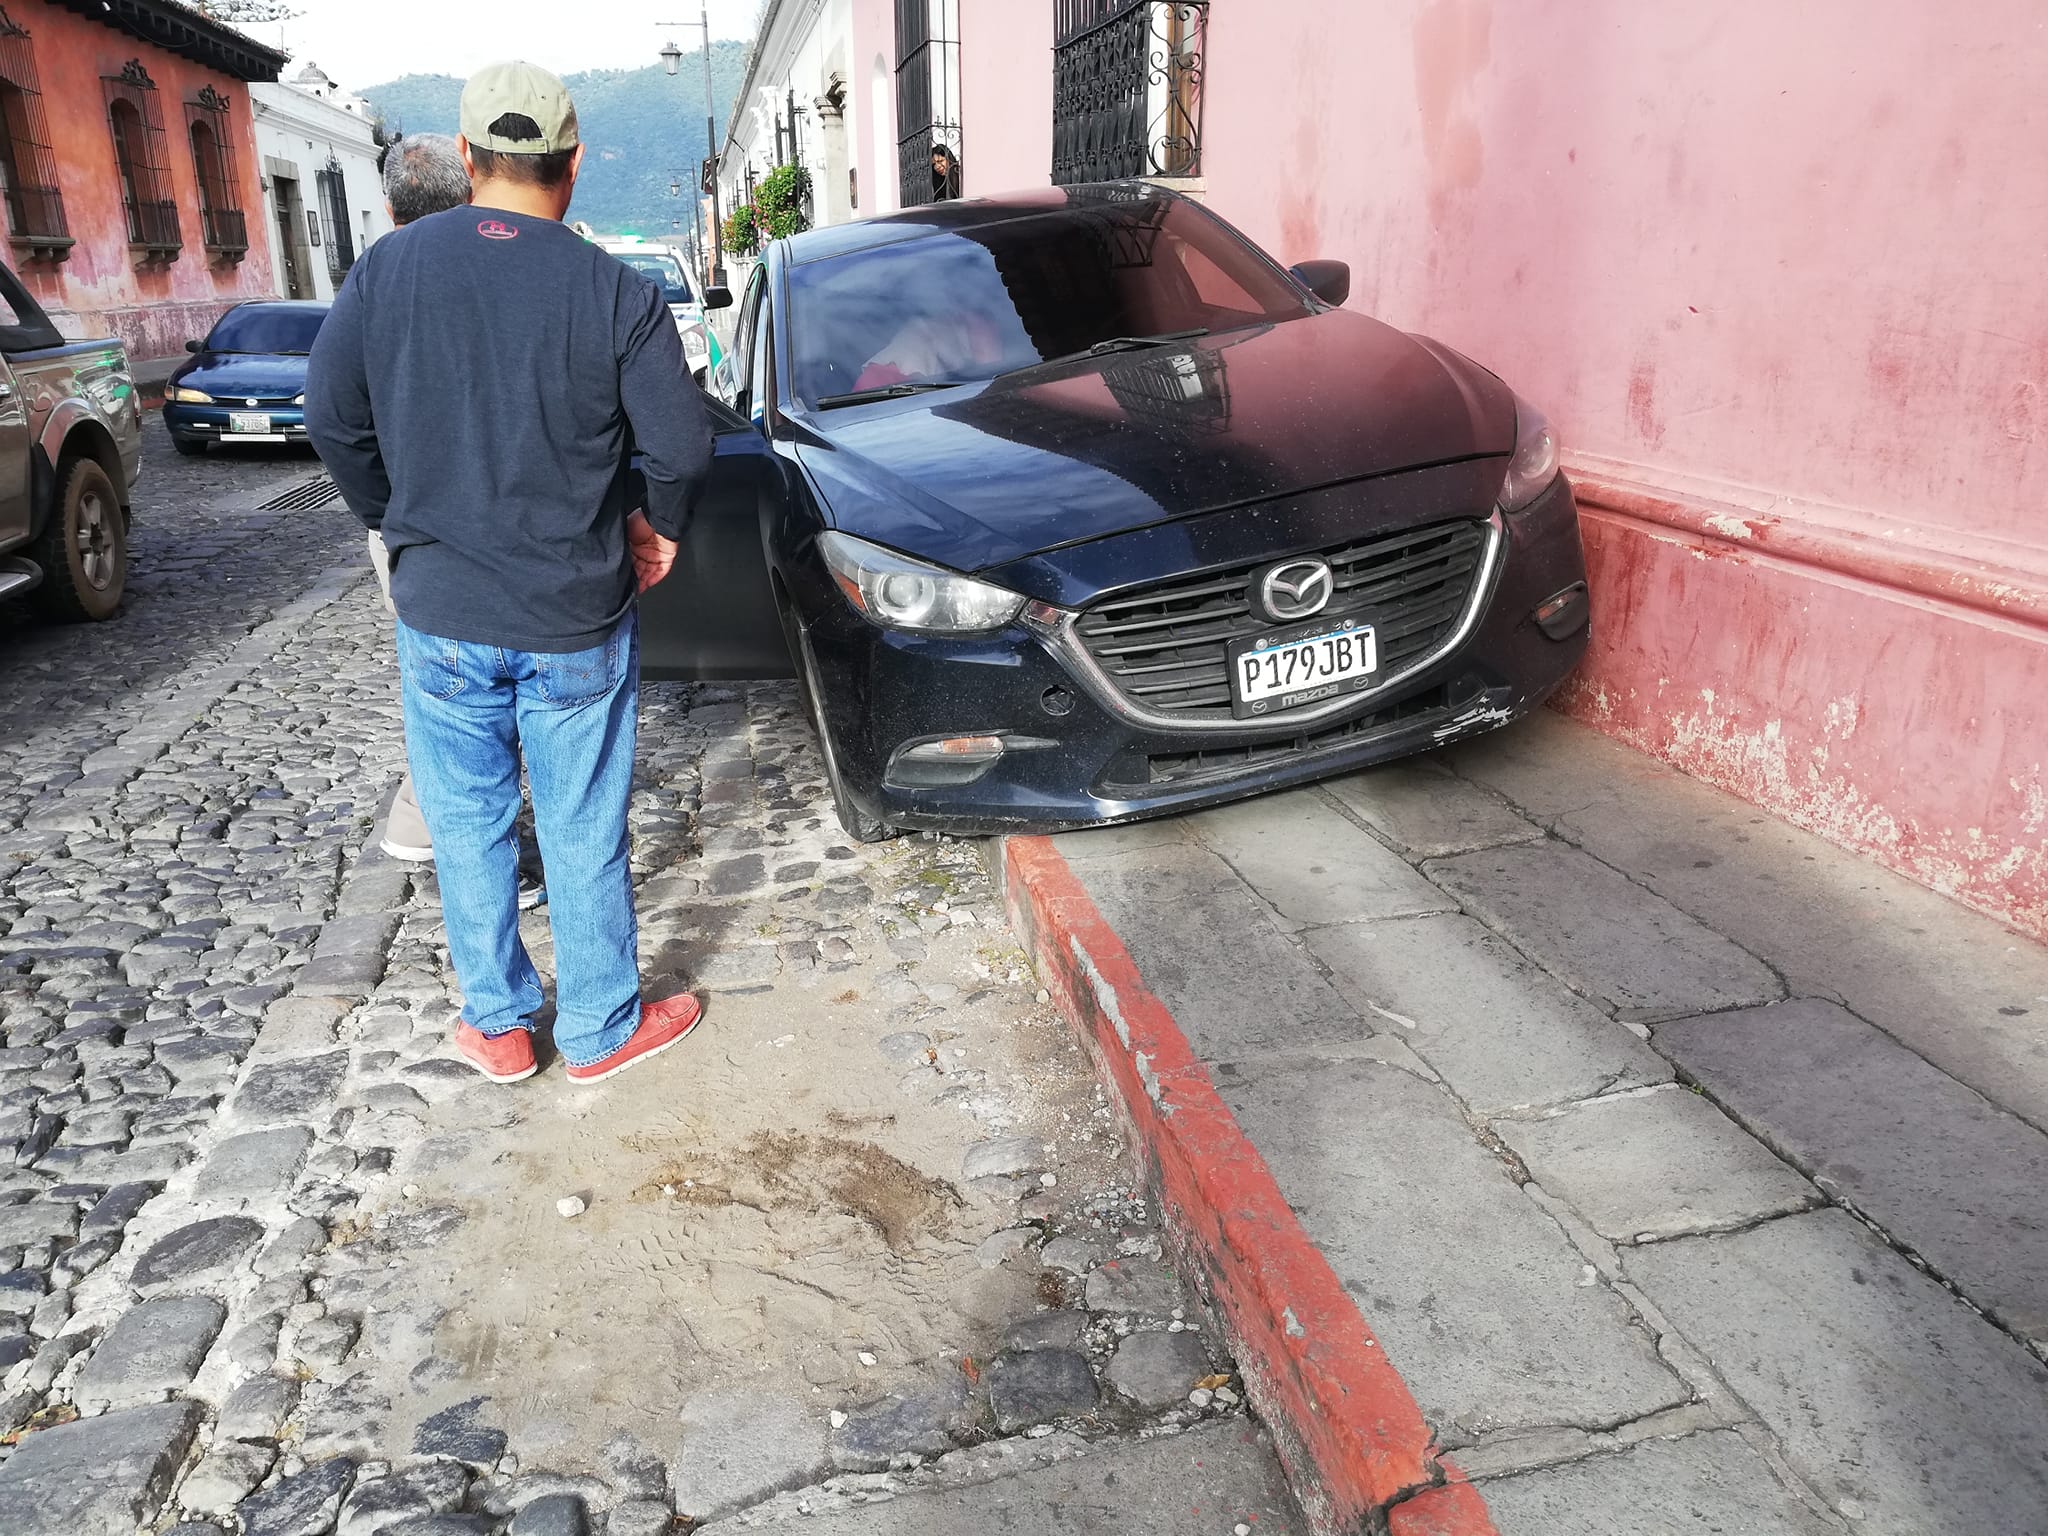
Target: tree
[(246, 13)]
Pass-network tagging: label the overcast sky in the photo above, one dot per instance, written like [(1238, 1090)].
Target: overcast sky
[(367, 42)]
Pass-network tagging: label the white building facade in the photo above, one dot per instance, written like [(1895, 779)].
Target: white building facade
[(798, 102), (858, 92), (323, 200)]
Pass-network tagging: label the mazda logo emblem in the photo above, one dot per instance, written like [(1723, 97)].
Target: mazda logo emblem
[(1296, 590)]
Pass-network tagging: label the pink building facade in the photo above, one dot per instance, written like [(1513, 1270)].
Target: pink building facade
[(133, 191), (1775, 274)]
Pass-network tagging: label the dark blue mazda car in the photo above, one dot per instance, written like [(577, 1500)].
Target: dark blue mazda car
[(246, 382), (1074, 507)]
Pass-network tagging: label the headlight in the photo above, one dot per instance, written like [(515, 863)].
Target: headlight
[(908, 594), (1534, 465), (298, 399), (184, 396)]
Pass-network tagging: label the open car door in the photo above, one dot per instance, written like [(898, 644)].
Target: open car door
[(713, 617)]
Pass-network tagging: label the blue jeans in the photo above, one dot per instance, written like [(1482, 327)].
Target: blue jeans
[(470, 711)]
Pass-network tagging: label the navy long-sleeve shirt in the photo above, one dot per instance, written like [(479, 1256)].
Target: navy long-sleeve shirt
[(476, 393)]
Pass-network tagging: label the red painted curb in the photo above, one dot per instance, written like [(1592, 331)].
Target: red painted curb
[(1455, 1509), (1348, 1429)]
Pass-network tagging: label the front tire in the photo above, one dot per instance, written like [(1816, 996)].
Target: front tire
[(857, 823), (83, 549), (190, 447)]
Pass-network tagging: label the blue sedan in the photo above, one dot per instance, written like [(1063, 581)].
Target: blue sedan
[(246, 382)]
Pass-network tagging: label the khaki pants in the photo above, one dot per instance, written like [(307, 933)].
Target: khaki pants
[(404, 828)]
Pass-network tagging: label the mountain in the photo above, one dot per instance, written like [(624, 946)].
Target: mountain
[(642, 129)]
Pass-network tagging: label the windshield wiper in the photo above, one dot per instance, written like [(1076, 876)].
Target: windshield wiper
[(1117, 344), (882, 392)]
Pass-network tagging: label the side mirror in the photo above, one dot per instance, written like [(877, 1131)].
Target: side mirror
[(1329, 281), (195, 346), (718, 298)]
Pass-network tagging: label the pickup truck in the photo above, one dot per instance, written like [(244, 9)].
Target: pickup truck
[(70, 449)]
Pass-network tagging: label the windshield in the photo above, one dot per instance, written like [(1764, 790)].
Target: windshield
[(963, 305), (664, 269), (266, 328)]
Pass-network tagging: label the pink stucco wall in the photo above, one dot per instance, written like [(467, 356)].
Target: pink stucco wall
[(1774, 272), (1791, 246), (1005, 96), (873, 149), (153, 307)]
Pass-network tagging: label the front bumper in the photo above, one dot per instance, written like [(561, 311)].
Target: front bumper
[(213, 424), (1078, 755)]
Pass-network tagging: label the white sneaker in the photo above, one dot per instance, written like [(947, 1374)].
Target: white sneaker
[(405, 830)]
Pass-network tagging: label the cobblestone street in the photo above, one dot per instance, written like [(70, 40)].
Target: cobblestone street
[(863, 1252)]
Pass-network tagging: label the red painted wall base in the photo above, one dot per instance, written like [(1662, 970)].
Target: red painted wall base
[(1890, 701)]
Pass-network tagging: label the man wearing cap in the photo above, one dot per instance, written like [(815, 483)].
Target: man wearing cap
[(476, 392)]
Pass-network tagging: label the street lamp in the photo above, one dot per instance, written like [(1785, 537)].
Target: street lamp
[(671, 56)]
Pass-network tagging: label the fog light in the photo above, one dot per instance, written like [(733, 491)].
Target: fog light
[(974, 748), (1563, 613), (953, 759)]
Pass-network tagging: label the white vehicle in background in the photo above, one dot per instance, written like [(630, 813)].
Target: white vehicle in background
[(687, 301)]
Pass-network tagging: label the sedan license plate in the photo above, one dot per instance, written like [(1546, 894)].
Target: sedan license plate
[(1301, 666), (248, 421)]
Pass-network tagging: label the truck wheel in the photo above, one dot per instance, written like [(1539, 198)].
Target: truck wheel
[(83, 549)]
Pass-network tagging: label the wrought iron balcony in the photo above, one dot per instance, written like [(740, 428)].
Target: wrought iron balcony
[(1127, 89), (153, 226), (226, 230), (35, 217)]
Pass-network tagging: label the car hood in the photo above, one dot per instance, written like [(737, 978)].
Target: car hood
[(267, 375), (978, 478)]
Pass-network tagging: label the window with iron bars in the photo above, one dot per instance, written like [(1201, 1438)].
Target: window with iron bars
[(209, 128), (1127, 89), (927, 97), (333, 193), (135, 117), (35, 205)]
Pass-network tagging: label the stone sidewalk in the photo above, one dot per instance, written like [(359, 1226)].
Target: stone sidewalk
[(1691, 1171)]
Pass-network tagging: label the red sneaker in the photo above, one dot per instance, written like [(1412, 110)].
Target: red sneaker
[(502, 1058), (662, 1024)]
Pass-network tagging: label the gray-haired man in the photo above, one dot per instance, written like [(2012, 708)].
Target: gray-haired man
[(423, 174)]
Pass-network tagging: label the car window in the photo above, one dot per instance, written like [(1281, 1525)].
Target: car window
[(964, 304), (266, 328), (743, 329), (665, 270), (757, 372)]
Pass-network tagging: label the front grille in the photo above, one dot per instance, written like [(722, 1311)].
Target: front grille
[(1166, 648), (1211, 762)]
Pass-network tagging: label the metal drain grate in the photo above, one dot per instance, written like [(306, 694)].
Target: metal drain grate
[(303, 498)]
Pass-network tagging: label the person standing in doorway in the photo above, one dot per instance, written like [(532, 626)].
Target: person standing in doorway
[(423, 174), (476, 393), (945, 174)]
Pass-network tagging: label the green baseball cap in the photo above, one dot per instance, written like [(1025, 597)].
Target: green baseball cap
[(525, 89)]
